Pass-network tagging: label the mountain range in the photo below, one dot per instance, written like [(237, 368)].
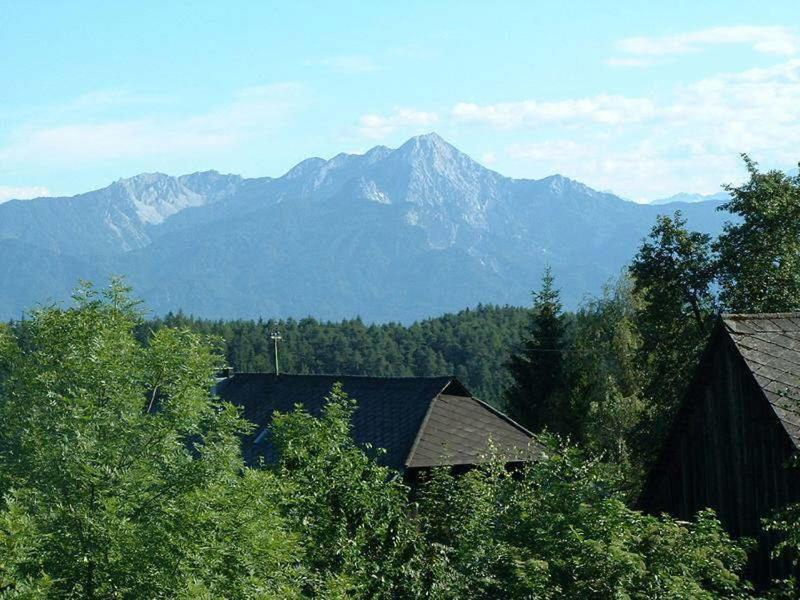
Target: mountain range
[(392, 234), (693, 198)]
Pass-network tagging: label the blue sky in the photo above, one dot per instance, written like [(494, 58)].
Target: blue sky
[(644, 98)]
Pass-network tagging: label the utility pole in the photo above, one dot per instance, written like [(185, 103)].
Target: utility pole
[(276, 337)]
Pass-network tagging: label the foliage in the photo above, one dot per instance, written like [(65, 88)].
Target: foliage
[(673, 275), (560, 529), (605, 378), (352, 512), (536, 399), (785, 524), (119, 476), (759, 254)]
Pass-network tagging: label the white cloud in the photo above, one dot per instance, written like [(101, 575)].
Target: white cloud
[(378, 126), (351, 64), (605, 109), (689, 141), (765, 39), (250, 112), (556, 151), (22, 192), (642, 170)]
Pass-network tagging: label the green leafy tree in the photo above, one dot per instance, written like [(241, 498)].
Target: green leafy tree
[(785, 524), (119, 476), (605, 377), (759, 253), (673, 274), (561, 529), (536, 398), (353, 513)]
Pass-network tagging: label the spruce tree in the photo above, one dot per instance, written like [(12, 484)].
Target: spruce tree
[(536, 398)]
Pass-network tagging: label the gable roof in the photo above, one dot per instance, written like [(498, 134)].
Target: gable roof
[(769, 346), (418, 421), (769, 343)]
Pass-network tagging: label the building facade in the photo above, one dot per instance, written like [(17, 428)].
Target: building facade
[(732, 443)]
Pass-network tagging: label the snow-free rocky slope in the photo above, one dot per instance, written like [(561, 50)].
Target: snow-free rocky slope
[(389, 235)]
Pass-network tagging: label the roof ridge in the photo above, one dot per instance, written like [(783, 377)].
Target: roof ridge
[(505, 417), (375, 377), (411, 451), (765, 315)]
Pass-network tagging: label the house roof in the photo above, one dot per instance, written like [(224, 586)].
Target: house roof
[(419, 421), (769, 343)]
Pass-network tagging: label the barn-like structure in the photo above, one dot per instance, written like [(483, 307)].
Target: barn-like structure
[(420, 422), (730, 445)]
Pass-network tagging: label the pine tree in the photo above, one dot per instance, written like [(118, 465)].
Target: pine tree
[(536, 397)]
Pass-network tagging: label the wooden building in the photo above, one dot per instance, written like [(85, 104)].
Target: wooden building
[(421, 422), (735, 432)]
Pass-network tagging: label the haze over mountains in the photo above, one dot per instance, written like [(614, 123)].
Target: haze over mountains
[(693, 198), (388, 235)]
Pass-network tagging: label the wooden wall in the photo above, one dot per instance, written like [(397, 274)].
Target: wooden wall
[(727, 451)]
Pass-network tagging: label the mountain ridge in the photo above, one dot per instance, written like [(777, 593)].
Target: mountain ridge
[(689, 198), (391, 234)]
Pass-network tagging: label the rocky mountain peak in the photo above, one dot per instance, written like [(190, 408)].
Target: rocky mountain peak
[(435, 152), (155, 196)]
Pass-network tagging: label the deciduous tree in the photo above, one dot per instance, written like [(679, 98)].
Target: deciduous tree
[(759, 252), (120, 477)]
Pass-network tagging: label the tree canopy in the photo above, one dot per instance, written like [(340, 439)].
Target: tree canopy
[(121, 476), (759, 252)]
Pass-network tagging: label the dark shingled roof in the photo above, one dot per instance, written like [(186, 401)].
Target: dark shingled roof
[(770, 346), (419, 421)]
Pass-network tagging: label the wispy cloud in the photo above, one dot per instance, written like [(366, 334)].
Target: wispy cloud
[(643, 147), (556, 151), (531, 113), (376, 126), (650, 147), (250, 112), (766, 39), (22, 192)]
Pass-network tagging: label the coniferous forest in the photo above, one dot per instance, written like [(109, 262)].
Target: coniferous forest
[(474, 345), (122, 478)]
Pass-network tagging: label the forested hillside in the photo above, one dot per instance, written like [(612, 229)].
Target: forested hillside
[(474, 345)]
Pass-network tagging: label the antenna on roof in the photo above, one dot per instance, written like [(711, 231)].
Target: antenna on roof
[(276, 337)]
